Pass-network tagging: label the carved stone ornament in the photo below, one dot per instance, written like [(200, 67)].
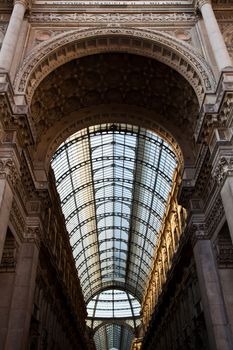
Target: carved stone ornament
[(109, 18), (223, 168), (32, 234), (8, 170), (198, 232), (49, 55)]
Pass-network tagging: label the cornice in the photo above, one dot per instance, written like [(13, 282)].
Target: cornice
[(159, 4)]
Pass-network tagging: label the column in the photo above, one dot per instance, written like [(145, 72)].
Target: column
[(22, 297), (220, 51), (220, 336), (6, 197), (12, 34)]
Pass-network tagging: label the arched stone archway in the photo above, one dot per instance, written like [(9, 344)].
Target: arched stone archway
[(91, 116), (65, 47), (113, 87), (201, 137)]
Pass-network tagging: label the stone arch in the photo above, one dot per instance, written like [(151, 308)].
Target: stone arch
[(49, 55), (106, 114)]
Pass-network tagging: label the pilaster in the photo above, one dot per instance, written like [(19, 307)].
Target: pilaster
[(23, 291), (9, 172), (218, 328)]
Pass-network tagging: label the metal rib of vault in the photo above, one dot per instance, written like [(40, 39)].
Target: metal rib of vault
[(114, 182)]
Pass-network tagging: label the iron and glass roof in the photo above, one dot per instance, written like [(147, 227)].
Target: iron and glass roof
[(105, 311), (114, 182), (113, 304), (113, 337)]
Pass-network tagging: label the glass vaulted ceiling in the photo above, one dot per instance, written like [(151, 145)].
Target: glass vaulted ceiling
[(113, 337), (114, 182)]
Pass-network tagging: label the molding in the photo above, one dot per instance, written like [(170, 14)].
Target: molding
[(113, 3), (17, 220), (49, 55), (201, 3), (110, 18)]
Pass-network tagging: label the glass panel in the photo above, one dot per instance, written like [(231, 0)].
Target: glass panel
[(114, 182), (114, 304)]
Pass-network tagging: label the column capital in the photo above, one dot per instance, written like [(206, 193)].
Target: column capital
[(8, 170), (198, 232), (200, 3), (198, 229), (25, 3), (32, 234), (223, 168)]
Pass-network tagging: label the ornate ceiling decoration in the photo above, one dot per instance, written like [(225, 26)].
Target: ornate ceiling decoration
[(115, 79), (51, 54)]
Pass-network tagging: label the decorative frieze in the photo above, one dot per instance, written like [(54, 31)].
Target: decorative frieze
[(110, 18), (114, 3)]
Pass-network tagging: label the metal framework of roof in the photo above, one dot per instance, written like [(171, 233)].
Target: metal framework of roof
[(114, 182), (113, 336)]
